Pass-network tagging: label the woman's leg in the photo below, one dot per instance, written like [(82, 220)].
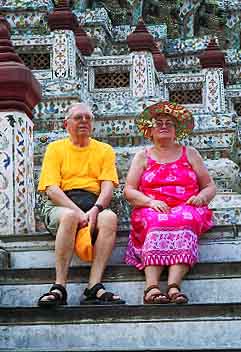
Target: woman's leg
[(152, 274), (175, 275)]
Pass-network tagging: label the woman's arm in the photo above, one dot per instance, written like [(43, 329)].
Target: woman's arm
[(206, 183), (132, 194)]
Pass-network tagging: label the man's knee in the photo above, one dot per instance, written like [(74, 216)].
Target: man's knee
[(107, 219), (69, 216)]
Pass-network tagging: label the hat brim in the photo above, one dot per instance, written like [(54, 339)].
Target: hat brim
[(182, 116)]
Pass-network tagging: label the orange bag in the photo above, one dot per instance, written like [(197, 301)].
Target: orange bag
[(83, 247)]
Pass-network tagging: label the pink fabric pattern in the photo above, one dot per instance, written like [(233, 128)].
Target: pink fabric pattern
[(167, 238)]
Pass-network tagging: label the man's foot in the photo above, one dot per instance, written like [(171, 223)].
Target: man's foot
[(153, 295), (98, 295), (57, 295)]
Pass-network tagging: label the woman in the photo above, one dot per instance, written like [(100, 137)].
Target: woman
[(169, 187)]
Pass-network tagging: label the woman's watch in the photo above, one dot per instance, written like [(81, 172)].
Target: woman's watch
[(99, 206)]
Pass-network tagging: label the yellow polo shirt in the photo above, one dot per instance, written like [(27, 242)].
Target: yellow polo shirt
[(70, 167)]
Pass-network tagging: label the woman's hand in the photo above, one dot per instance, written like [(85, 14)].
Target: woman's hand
[(158, 205), (197, 201)]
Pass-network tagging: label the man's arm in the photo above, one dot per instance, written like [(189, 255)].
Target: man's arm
[(106, 192), (103, 200), (58, 197)]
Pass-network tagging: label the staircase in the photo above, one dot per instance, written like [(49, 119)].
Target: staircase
[(210, 321)]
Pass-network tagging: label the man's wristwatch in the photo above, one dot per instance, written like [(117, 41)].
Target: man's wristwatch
[(99, 206)]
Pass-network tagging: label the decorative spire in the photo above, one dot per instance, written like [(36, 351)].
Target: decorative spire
[(159, 59), (19, 89), (7, 52), (212, 56), (84, 43), (62, 17), (140, 39)]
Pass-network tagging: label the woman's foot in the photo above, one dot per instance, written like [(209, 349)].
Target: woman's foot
[(153, 295), (175, 295)]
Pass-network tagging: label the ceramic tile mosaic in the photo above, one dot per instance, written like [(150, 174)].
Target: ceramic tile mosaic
[(7, 120), (183, 62), (214, 94), (71, 78), (29, 22), (120, 33), (184, 46), (23, 169), (41, 75), (187, 13), (16, 164), (233, 56), (33, 41), (95, 17), (143, 75), (64, 54), (26, 4)]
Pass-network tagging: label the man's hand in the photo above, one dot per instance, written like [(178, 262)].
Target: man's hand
[(92, 217), (197, 201), (159, 205), (83, 219)]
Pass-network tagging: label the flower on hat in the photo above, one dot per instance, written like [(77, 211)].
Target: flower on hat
[(183, 117)]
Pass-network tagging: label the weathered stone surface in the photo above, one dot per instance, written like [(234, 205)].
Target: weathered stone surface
[(173, 335), (33, 254), (199, 291), (4, 259)]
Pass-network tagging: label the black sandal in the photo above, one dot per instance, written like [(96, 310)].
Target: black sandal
[(105, 298), (58, 299)]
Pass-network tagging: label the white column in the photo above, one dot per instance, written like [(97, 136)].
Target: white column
[(17, 195), (214, 97), (64, 54), (143, 79)]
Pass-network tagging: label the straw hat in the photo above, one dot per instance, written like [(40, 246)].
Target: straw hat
[(183, 117)]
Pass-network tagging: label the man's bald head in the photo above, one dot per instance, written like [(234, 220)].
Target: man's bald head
[(81, 108)]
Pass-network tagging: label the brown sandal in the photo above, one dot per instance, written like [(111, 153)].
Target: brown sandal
[(177, 297), (155, 298)]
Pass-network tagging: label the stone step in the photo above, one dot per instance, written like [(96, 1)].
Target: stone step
[(122, 328), (206, 283), (116, 273), (38, 250), (198, 291)]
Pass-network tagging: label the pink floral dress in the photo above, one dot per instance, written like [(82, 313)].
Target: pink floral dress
[(165, 239)]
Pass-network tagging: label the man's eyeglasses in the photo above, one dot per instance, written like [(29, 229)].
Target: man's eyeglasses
[(81, 118)]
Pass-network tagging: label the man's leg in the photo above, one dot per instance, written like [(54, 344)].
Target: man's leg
[(106, 227), (64, 243), (67, 221)]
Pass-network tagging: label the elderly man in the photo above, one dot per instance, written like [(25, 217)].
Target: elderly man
[(83, 169)]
